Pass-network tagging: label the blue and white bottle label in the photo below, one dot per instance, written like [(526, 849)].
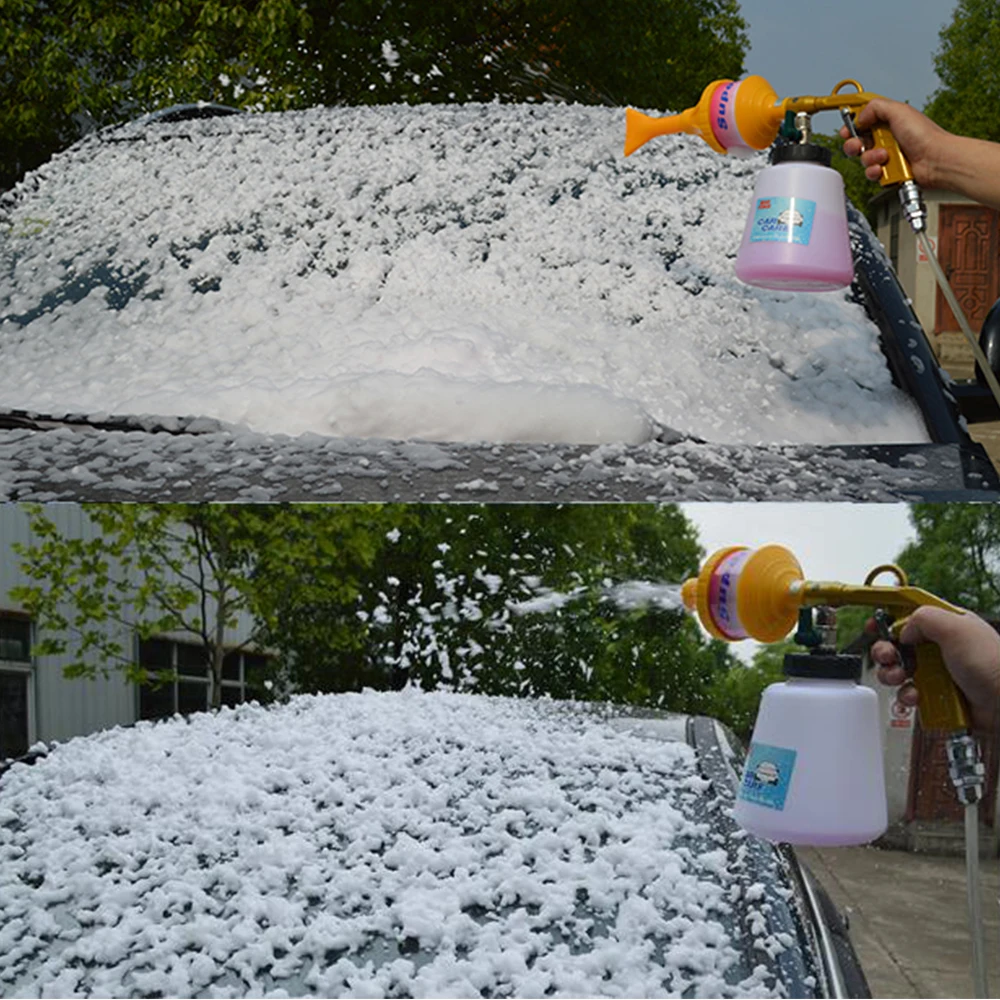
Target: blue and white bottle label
[(783, 220), (767, 775)]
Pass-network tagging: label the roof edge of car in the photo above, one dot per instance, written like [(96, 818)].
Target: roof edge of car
[(187, 112)]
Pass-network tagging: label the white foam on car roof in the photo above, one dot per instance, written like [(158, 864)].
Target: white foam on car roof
[(370, 845), (478, 272)]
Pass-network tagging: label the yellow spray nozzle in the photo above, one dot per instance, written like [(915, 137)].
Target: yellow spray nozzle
[(689, 593), (742, 593), (640, 128), (729, 114)]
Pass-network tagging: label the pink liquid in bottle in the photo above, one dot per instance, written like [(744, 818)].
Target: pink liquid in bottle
[(796, 233)]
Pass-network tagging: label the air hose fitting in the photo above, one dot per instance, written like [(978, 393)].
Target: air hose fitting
[(965, 767), (914, 209)]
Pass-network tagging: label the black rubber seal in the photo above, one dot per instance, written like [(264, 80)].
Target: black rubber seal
[(828, 666), (801, 152)]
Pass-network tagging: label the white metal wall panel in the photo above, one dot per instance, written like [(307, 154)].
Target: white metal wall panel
[(65, 707)]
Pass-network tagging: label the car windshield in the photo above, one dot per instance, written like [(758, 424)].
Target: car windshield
[(401, 844), (448, 273)]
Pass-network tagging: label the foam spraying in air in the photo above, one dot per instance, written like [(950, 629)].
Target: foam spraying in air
[(629, 595)]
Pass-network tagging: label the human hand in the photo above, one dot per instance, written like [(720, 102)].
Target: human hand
[(921, 141), (971, 652)]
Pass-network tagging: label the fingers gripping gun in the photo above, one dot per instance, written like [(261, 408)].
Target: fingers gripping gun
[(741, 593), (748, 115)]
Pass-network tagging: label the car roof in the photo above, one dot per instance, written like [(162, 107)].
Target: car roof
[(390, 844), (177, 113)]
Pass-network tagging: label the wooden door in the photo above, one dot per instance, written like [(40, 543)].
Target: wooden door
[(931, 793), (967, 249)]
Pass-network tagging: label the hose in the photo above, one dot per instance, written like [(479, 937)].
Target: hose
[(967, 773), (972, 884)]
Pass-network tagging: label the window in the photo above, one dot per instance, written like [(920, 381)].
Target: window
[(15, 638), (13, 713), (179, 678), (241, 670), (894, 240), (15, 684), (185, 678)]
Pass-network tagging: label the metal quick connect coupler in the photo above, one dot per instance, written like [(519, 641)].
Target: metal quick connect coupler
[(914, 209), (965, 767)]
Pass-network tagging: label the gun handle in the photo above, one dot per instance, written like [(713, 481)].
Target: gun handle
[(897, 170), (942, 704)]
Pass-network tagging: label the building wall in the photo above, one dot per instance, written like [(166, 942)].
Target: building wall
[(897, 743), (60, 707)]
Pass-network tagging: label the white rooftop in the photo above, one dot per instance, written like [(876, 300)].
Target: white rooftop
[(378, 845)]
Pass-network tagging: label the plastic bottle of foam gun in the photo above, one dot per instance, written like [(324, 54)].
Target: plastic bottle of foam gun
[(813, 774), (796, 233)]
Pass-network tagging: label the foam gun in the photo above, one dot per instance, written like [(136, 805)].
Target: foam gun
[(814, 772), (748, 115), (796, 235)]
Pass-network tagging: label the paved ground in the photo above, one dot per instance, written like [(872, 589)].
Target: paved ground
[(908, 918)]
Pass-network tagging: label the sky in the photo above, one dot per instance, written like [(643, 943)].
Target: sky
[(807, 47), (832, 541)]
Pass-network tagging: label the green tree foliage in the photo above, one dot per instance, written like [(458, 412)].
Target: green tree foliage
[(968, 101), (956, 554), (735, 696), (515, 600), (649, 53), (175, 568), (521, 600), (311, 590), (851, 622), (67, 66), (857, 187), (151, 569)]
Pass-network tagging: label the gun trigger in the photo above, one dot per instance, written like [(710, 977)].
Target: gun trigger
[(907, 658), (907, 653), (848, 117), (883, 621)]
